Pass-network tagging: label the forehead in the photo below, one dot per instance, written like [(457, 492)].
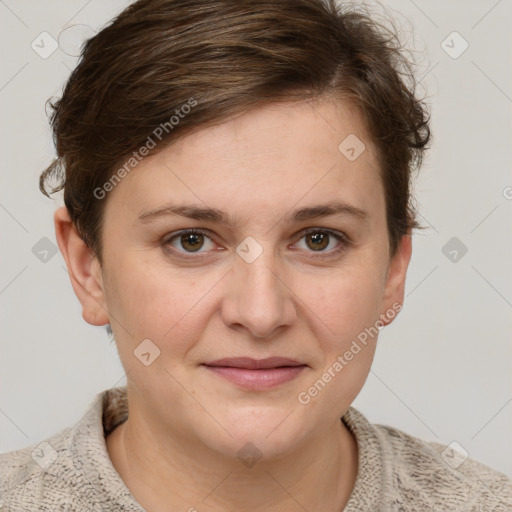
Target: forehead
[(270, 159)]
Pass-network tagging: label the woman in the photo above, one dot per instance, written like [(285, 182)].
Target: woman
[(237, 186)]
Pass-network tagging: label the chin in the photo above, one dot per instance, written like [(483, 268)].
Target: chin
[(268, 431)]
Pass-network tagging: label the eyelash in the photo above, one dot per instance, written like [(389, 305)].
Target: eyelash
[(338, 235)]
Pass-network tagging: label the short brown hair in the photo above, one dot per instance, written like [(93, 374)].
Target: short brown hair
[(229, 56)]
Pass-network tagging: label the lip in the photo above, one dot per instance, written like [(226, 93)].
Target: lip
[(254, 364), (257, 374)]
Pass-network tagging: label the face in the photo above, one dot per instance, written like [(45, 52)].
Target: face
[(268, 273)]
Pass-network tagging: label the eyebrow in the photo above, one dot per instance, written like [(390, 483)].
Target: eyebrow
[(218, 216)]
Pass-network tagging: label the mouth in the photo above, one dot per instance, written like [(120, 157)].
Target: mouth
[(256, 374), (254, 364)]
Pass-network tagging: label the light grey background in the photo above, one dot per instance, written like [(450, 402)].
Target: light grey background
[(442, 370)]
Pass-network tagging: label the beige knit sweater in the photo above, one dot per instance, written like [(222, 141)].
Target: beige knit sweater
[(71, 471)]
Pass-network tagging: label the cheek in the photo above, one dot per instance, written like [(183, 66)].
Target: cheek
[(349, 307), (346, 301), (148, 301), (346, 307)]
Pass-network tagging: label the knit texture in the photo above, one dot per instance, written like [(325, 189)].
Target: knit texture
[(71, 471)]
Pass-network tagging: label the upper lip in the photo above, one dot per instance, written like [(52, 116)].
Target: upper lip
[(254, 364)]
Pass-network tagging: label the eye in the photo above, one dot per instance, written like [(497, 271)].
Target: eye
[(318, 240), (190, 241)]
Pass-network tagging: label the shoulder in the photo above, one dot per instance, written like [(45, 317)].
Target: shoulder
[(432, 476), (39, 476), (70, 470)]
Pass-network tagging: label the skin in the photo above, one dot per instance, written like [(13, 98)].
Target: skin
[(178, 449)]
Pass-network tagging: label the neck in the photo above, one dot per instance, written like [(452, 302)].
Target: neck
[(174, 474)]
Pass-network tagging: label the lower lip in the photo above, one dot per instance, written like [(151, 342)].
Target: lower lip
[(258, 379)]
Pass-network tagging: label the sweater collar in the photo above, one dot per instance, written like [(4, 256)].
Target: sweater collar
[(109, 409), (89, 454)]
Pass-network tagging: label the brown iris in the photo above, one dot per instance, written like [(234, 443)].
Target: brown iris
[(320, 240), (192, 241)]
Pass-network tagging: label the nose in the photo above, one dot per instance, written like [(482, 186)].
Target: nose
[(258, 297)]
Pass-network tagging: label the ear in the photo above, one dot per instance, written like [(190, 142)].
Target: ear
[(395, 280), (83, 268)]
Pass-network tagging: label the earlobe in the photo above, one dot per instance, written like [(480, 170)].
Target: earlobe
[(83, 268), (395, 283)]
